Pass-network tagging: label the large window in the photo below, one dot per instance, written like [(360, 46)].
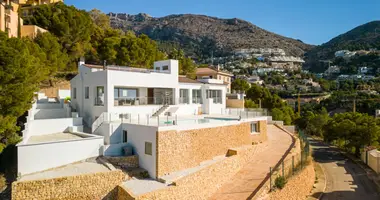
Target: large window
[(99, 99), (86, 92), (183, 96), (197, 96), (125, 96), (216, 95)]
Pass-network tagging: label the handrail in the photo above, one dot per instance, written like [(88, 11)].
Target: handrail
[(98, 122)]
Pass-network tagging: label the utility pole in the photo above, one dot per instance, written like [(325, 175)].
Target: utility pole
[(299, 103)]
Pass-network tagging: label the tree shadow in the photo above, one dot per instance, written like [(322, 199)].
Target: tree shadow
[(356, 183)]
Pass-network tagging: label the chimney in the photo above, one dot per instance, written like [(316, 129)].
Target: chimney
[(81, 61), (104, 64), (218, 67)]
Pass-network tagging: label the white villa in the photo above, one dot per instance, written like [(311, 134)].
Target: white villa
[(113, 89), (153, 115)]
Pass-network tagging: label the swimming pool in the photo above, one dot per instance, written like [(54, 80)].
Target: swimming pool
[(195, 121)]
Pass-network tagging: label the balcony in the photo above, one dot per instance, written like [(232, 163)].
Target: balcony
[(99, 101), (137, 101)]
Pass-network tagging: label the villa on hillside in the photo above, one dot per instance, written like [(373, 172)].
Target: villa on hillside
[(154, 120), (115, 89)]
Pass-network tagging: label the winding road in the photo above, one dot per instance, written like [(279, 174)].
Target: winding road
[(345, 180)]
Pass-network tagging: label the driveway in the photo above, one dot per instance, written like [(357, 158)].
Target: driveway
[(345, 179), (242, 185)]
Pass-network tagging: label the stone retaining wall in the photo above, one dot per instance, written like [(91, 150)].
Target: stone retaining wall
[(201, 184), (125, 161), (234, 103), (178, 150), (88, 186), (263, 136)]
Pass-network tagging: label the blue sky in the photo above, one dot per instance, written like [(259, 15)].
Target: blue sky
[(312, 21)]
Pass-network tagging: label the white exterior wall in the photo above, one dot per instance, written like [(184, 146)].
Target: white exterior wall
[(50, 113), (137, 136), (48, 126), (64, 93), (38, 157), (86, 107)]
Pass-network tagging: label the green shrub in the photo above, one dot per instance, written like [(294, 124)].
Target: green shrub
[(3, 182), (280, 182), (144, 174)]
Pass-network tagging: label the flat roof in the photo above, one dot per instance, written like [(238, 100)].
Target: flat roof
[(74, 169), (54, 137)]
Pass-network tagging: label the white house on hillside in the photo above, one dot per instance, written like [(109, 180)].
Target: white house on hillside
[(146, 92)]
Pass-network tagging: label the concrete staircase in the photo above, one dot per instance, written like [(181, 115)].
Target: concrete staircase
[(161, 110)]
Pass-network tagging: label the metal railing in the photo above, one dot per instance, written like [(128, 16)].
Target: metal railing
[(245, 113), (125, 101), (139, 70), (99, 101), (184, 100), (197, 100)]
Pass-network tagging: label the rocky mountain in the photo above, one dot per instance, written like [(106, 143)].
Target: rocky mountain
[(202, 36), (363, 37)]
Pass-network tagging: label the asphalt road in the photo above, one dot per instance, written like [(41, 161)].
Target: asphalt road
[(345, 179)]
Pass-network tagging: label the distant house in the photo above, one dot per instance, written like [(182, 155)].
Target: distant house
[(255, 80), (332, 70), (28, 5), (364, 70), (215, 73), (344, 53)]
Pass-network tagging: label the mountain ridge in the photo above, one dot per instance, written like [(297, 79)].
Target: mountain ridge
[(362, 37), (204, 35)]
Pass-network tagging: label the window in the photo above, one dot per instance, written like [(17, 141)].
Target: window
[(183, 96), (148, 148), (86, 92), (216, 95), (99, 99), (165, 67), (125, 96), (125, 136), (255, 127), (75, 93), (197, 96)]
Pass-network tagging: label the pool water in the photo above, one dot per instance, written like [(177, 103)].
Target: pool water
[(196, 121)]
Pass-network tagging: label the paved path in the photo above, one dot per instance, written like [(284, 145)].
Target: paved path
[(345, 179), (250, 176)]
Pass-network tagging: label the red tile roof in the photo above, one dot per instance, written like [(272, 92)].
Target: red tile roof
[(184, 79), (211, 70)]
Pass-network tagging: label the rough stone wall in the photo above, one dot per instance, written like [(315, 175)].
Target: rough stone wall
[(177, 150), (201, 184), (125, 161), (262, 137), (235, 103), (88, 186)]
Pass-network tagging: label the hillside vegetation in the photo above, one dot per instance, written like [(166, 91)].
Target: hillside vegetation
[(363, 37)]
